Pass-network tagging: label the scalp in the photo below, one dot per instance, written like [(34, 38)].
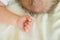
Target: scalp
[(38, 5)]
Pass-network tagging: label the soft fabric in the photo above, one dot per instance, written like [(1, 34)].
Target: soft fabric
[(5, 2), (46, 26)]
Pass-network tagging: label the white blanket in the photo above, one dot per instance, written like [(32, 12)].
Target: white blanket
[(46, 27)]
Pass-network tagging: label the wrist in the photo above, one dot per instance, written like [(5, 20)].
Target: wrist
[(15, 19)]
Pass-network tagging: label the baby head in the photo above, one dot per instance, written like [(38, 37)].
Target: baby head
[(37, 6)]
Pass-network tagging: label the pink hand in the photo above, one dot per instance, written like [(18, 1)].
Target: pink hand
[(25, 22)]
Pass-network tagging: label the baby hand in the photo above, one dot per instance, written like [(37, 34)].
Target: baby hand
[(25, 22)]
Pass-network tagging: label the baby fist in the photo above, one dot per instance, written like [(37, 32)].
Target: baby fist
[(25, 22)]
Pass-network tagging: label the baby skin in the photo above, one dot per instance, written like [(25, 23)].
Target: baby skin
[(7, 17)]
